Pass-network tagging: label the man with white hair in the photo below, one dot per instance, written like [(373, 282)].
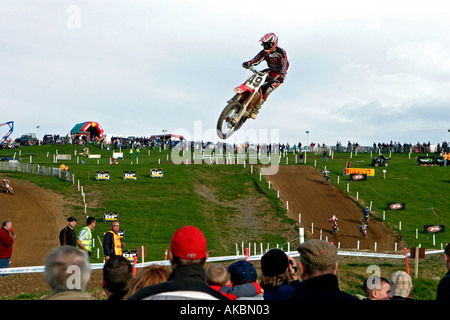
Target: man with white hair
[(67, 272)]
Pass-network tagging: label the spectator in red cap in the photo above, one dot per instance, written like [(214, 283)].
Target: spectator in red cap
[(187, 280)]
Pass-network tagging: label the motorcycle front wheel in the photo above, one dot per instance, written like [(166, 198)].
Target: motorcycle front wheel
[(228, 122)]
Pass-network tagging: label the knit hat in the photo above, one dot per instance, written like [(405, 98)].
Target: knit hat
[(188, 242), (401, 284), (274, 262), (318, 252), (242, 271)]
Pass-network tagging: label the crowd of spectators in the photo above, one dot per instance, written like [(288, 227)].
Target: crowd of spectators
[(313, 277)]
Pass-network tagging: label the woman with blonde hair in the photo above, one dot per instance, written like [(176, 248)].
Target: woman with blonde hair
[(148, 276)]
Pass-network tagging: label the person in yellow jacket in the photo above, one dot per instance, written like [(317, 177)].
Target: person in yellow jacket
[(112, 245), (446, 159), (85, 241)]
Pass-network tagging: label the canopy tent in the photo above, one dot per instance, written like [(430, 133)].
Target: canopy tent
[(10, 124), (92, 128)]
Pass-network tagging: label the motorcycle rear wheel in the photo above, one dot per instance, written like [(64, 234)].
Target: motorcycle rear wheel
[(225, 126)]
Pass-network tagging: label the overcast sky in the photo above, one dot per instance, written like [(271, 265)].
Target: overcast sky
[(361, 71)]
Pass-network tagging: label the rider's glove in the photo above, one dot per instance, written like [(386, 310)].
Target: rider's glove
[(247, 64)]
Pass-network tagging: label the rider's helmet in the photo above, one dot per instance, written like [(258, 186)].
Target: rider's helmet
[(269, 42)]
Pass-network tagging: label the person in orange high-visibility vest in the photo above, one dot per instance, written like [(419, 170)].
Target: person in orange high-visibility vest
[(112, 245)]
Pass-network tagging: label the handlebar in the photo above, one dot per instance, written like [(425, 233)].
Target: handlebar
[(252, 69), (256, 71)]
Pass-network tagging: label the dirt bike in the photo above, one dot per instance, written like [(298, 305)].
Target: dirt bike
[(365, 218), (363, 232), (334, 228), (8, 188), (247, 96), (326, 179)]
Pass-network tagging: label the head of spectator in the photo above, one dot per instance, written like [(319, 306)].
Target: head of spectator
[(443, 289), (242, 272), (274, 266), (67, 272), (117, 275), (148, 276), (217, 275), (90, 222), (401, 285), (71, 222), (188, 247), (188, 277), (318, 265), (377, 288), (447, 256), (279, 276), (317, 257)]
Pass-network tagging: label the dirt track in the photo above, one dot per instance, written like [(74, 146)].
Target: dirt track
[(308, 195), (37, 215)]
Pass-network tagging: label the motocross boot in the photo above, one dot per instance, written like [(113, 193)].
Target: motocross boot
[(256, 108)]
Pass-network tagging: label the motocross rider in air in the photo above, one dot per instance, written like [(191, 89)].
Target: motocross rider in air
[(278, 63), (333, 220)]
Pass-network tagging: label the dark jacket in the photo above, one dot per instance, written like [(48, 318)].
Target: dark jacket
[(191, 279), (67, 237), (443, 289), (323, 287), (281, 292)]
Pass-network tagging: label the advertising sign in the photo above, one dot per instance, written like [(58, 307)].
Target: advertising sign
[(358, 177), (367, 172), (129, 254), (396, 206), (129, 175), (102, 175), (110, 216), (156, 173), (434, 228)]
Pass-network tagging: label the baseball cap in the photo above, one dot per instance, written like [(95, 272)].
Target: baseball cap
[(242, 271), (188, 242), (72, 219), (401, 284), (318, 252), (274, 262)]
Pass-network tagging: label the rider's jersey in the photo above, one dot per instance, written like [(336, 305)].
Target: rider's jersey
[(277, 61)]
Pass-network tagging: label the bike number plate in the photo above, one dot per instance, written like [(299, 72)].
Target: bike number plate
[(255, 81)]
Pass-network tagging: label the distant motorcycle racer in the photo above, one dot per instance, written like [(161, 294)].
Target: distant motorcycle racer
[(278, 63)]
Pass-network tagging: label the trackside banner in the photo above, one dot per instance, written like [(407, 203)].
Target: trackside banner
[(358, 171), (358, 177), (434, 228), (396, 206)]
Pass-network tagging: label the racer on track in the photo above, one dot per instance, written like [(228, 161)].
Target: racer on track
[(334, 221)]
